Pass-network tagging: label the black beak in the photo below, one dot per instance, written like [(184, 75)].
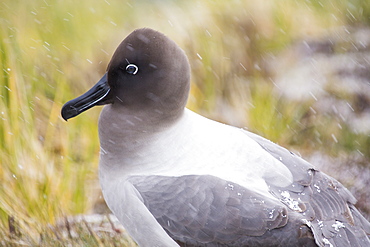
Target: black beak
[(97, 95)]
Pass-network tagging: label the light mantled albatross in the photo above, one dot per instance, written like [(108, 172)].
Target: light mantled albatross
[(173, 177)]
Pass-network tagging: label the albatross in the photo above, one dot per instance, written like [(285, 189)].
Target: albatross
[(175, 178)]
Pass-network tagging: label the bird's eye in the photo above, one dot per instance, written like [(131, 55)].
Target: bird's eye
[(132, 69)]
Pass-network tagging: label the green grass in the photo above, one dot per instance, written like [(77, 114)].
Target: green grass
[(52, 51)]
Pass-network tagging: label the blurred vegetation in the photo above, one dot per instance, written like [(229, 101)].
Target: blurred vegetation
[(52, 51)]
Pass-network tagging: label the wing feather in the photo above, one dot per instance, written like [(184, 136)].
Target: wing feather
[(206, 210), (329, 207)]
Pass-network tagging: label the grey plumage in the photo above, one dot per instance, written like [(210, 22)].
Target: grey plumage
[(326, 205)]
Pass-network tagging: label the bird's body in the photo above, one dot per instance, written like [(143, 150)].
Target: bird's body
[(180, 149), (174, 177)]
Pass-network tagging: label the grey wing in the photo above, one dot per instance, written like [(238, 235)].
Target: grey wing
[(327, 206), (202, 210)]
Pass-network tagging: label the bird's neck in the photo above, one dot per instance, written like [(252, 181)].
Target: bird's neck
[(126, 134)]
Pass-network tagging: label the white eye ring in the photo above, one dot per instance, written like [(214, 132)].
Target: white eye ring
[(132, 69)]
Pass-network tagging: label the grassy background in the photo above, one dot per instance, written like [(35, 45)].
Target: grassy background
[(52, 51)]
